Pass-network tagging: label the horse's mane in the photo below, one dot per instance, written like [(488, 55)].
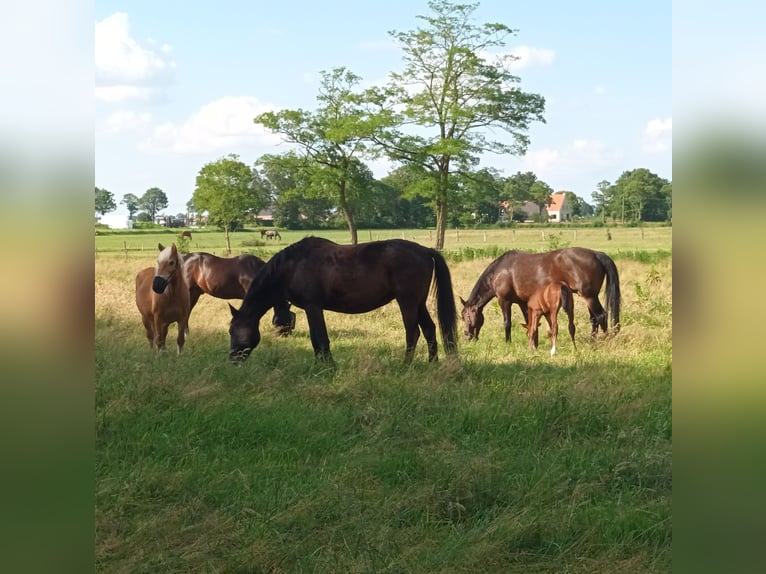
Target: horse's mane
[(487, 274)]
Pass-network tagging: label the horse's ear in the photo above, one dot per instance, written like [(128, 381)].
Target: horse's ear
[(234, 311), (461, 300), (173, 248), (161, 247)]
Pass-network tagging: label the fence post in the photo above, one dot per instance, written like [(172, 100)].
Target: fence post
[(125, 247)]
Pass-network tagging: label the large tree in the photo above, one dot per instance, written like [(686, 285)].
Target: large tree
[(226, 190), (132, 204), (333, 137), (451, 97), (152, 201), (640, 195), (104, 201)]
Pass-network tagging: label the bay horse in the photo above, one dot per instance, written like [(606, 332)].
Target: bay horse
[(162, 298), (270, 234), (316, 274), (516, 275), (546, 302), (229, 278)]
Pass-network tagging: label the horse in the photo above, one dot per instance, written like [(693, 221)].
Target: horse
[(546, 302), (229, 278), (186, 233), (516, 275), (162, 298), (316, 274), (270, 234)]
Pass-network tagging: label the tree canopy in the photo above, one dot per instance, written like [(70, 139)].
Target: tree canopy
[(153, 201), (441, 110), (104, 201), (226, 189), (131, 203)]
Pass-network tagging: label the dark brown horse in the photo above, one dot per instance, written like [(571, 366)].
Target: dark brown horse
[(546, 302), (229, 278), (162, 298), (516, 275), (317, 275), (270, 234)]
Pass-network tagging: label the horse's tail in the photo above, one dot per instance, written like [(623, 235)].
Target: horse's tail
[(567, 299), (613, 297), (445, 303)]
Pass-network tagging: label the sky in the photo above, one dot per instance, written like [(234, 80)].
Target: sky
[(178, 84)]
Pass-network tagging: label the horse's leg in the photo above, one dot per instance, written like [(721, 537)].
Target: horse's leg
[(505, 307), (194, 294), (183, 326), (597, 314), (553, 327), (318, 332), (533, 320), (429, 330), (411, 318), (161, 334), (149, 326)]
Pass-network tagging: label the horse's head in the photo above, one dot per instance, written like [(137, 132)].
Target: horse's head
[(169, 262), (244, 335), (473, 317)]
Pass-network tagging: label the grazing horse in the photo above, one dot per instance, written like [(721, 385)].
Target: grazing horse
[(162, 298), (546, 302), (229, 278), (270, 234), (516, 275), (317, 275), (186, 234)]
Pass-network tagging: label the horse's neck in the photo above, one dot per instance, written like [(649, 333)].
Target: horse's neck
[(482, 293)]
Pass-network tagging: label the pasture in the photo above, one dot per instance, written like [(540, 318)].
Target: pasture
[(505, 460)]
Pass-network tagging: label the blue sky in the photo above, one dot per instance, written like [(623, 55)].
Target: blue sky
[(178, 83)]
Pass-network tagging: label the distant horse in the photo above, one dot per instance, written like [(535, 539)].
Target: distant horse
[(162, 298), (186, 234), (270, 234), (317, 275), (229, 278), (516, 275), (546, 302)]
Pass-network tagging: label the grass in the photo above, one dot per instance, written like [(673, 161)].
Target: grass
[(506, 460)]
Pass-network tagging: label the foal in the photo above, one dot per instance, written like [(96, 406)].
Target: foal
[(162, 297), (546, 302)]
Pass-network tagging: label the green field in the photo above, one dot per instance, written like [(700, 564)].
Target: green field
[(506, 460)]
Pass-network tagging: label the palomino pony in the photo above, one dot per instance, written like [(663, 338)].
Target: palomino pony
[(317, 275), (270, 234), (516, 275), (546, 302), (162, 297), (229, 278)]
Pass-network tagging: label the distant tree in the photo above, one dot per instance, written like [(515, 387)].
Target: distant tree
[(456, 96), (478, 200), (541, 196), (104, 201), (638, 195), (152, 201), (601, 197), (333, 137), (132, 204), (518, 189), (226, 190), (578, 205)]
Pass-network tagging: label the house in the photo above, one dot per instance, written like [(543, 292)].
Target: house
[(560, 208)]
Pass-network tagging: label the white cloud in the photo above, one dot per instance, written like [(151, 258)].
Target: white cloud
[(125, 69), (520, 57), (218, 126), (124, 121), (658, 135), (531, 56)]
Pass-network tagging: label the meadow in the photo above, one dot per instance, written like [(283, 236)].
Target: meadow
[(504, 460)]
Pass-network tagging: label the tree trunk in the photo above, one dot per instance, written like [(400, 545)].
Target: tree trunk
[(441, 203), (347, 213), (228, 239)]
